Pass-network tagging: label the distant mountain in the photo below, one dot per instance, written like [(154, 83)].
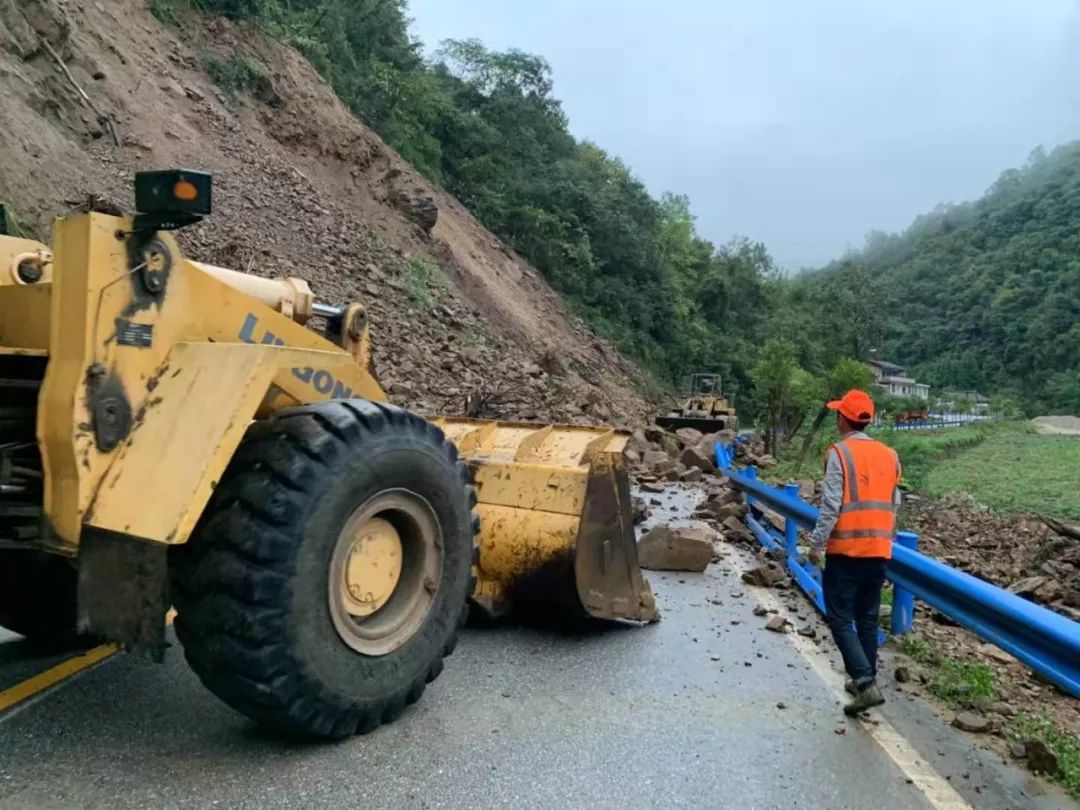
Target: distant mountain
[(986, 295)]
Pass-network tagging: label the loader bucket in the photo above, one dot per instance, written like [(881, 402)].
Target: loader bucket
[(703, 424), (556, 524)]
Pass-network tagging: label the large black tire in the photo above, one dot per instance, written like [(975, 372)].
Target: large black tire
[(37, 597), (251, 587)]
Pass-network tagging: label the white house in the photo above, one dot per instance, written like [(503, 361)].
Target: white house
[(895, 380)]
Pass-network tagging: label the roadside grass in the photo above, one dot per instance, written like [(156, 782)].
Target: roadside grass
[(954, 682), (1066, 746), (919, 451), (1015, 470), (973, 685), (1008, 466)]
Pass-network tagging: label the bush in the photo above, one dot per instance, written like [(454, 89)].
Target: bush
[(238, 74), (420, 278)]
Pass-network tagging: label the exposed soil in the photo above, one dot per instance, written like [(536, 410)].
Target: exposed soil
[(301, 188), (1058, 425)]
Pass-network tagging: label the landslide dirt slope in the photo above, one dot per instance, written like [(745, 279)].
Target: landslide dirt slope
[(301, 188)]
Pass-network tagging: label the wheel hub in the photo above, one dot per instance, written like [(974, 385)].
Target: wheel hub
[(385, 571), (373, 568)]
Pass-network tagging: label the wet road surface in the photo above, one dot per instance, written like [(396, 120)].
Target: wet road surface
[(705, 709)]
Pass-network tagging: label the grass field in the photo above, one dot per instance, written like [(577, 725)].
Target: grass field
[(1006, 465), (1014, 470)]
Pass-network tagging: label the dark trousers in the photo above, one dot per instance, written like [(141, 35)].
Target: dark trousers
[(852, 589)]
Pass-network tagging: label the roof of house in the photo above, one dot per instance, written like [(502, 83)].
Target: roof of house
[(887, 367)]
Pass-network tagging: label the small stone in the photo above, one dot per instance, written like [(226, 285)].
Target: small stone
[(902, 674), (974, 723), (1018, 750), (996, 654), (714, 658), (807, 631), (1040, 758), (767, 575), (781, 705), (760, 610), (778, 624), (690, 475), (839, 730)]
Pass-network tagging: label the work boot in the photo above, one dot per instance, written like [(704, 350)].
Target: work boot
[(850, 687), (867, 698)]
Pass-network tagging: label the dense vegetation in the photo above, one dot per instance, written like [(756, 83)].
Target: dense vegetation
[(981, 295), (486, 127)]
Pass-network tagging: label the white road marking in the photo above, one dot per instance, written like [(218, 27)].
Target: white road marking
[(936, 788)]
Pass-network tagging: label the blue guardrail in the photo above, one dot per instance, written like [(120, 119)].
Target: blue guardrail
[(1046, 641)]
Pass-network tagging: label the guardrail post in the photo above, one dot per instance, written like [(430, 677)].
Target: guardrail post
[(791, 528), (751, 473), (903, 600)]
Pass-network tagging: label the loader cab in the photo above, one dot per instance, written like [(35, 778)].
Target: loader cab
[(705, 385)]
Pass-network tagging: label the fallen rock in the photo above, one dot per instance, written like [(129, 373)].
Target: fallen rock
[(675, 473), (1018, 750), (655, 434), (735, 529), (651, 486), (735, 510), (975, 723), (724, 497), (902, 674), (692, 458), (778, 624), (996, 653), (688, 436), (1040, 758), (654, 458), (807, 631), (1026, 587), (641, 511), (684, 549), (760, 610), (691, 474), (766, 576)]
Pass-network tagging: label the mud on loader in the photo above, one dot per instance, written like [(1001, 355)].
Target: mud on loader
[(172, 433)]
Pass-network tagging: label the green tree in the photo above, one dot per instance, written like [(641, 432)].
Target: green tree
[(774, 379), (847, 374)]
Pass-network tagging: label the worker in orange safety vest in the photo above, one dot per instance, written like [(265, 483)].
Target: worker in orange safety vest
[(855, 529)]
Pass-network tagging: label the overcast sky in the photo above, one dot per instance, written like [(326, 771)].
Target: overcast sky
[(803, 123)]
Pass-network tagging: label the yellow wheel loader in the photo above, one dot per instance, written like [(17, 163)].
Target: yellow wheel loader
[(704, 410), (178, 434)]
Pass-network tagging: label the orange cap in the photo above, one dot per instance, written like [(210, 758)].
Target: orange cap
[(855, 406)]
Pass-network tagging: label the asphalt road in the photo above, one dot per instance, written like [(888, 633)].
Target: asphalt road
[(638, 717)]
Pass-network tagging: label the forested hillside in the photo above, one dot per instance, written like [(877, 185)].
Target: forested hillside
[(982, 295), (486, 127)]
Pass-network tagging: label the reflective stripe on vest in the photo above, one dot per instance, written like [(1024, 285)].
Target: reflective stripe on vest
[(866, 524)]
